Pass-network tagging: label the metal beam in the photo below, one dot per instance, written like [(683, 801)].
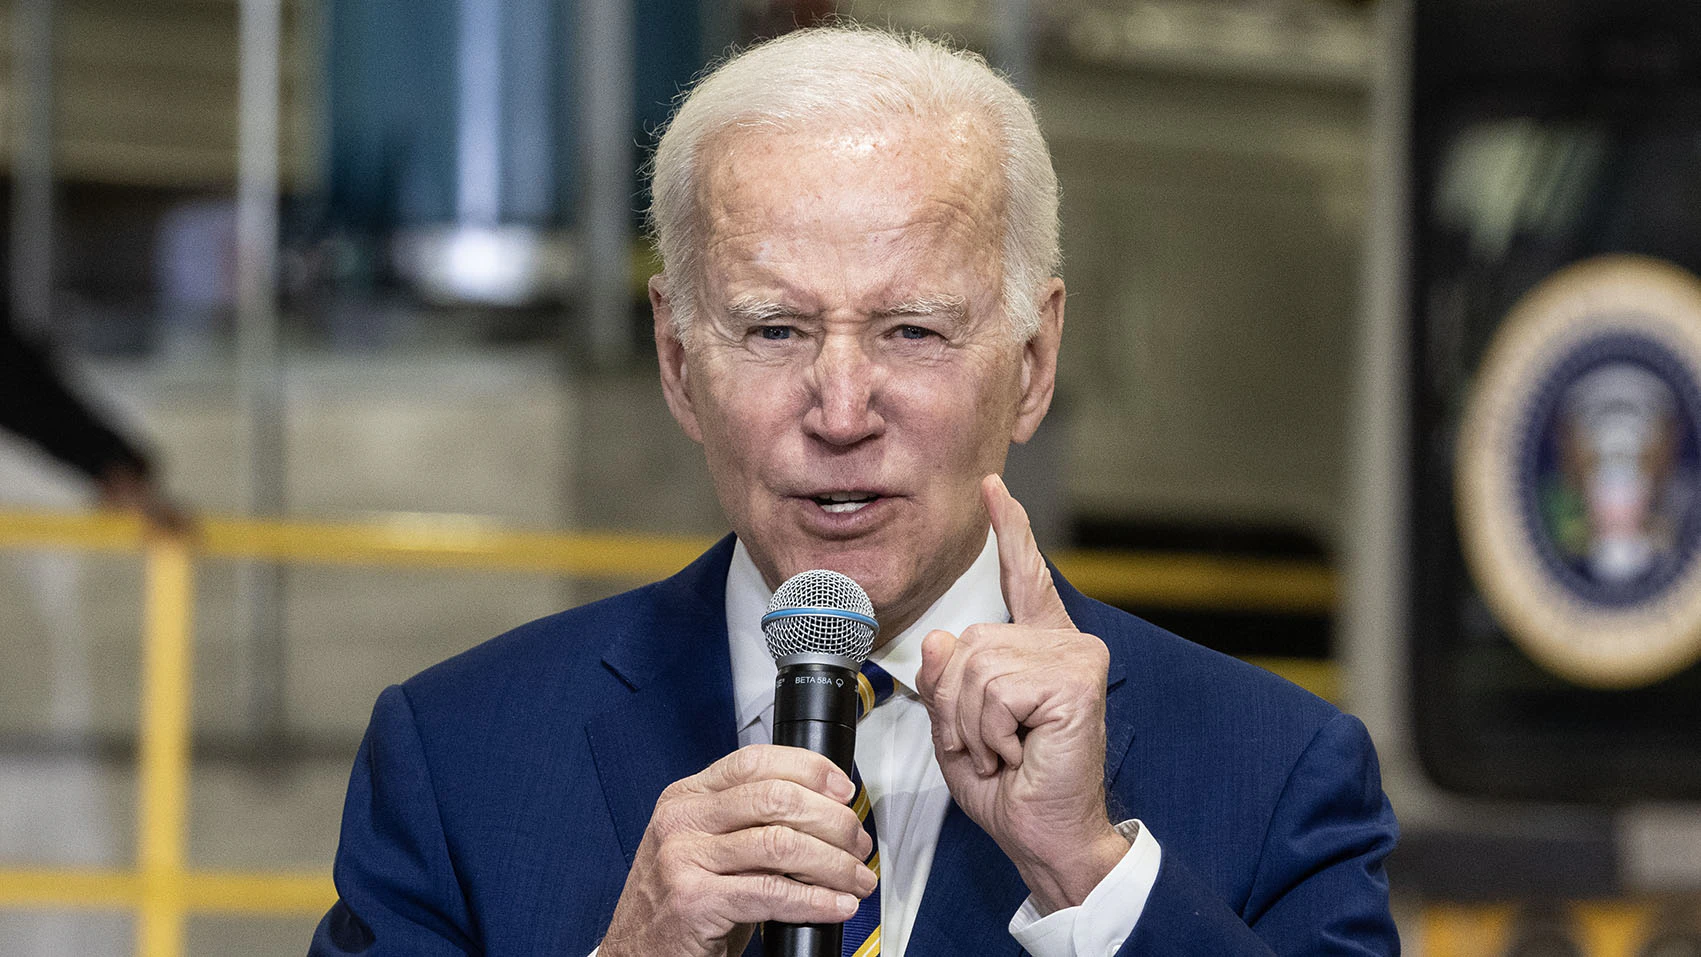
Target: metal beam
[(605, 56), (32, 167), (259, 372)]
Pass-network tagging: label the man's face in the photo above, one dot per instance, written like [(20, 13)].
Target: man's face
[(850, 373)]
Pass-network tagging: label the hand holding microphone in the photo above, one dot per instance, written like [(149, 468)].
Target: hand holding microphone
[(820, 627), (765, 833)]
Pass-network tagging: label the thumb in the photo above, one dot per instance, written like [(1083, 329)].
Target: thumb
[(1029, 592), (936, 650)]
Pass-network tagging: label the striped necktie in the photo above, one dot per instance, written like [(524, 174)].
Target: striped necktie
[(862, 931)]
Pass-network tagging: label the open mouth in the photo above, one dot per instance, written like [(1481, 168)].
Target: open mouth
[(841, 503)]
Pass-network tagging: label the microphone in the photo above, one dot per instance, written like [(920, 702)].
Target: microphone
[(820, 628)]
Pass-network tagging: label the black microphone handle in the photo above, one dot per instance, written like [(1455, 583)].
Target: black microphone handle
[(815, 709)]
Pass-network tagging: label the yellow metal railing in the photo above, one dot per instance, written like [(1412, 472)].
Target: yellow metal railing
[(1624, 927), (163, 889), (1168, 580)]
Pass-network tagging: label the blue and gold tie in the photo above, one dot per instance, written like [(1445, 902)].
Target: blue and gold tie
[(862, 931)]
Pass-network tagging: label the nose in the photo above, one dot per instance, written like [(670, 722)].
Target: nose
[(845, 384)]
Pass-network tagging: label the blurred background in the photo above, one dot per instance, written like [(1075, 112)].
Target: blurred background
[(353, 291)]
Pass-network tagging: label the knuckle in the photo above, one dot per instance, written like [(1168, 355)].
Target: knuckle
[(772, 888), (777, 842), (980, 670), (825, 772), (796, 893), (745, 763), (778, 800), (973, 667), (668, 817), (671, 862), (690, 886)]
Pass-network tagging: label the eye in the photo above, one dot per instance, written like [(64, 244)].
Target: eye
[(774, 333), (914, 332)]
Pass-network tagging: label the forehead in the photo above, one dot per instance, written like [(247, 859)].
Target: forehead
[(853, 186)]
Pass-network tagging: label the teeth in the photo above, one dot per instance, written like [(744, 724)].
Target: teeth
[(840, 503), (847, 496)]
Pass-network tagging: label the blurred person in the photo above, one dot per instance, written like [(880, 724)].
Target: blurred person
[(857, 315), (53, 806), (37, 404)]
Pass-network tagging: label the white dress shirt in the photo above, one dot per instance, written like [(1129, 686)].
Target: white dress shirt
[(894, 753)]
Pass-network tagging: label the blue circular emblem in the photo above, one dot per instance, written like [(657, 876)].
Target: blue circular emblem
[(1578, 474), (1609, 469)]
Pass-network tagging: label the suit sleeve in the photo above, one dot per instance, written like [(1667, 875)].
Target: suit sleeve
[(396, 882), (1319, 888)]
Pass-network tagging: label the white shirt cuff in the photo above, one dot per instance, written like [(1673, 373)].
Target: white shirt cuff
[(1104, 920)]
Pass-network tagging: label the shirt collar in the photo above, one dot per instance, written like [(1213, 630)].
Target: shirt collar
[(974, 598)]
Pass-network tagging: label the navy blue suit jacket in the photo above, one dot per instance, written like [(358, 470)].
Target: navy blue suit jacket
[(499, 797)]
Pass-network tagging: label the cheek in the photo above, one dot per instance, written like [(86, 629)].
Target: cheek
[(963, 420), (747, 416)]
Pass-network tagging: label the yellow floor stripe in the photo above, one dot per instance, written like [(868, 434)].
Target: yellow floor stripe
[(197, 891)]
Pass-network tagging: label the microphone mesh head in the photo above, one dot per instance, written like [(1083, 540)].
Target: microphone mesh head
[(825, 602)]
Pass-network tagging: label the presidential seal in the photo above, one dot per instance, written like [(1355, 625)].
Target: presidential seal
[(1579, 472)]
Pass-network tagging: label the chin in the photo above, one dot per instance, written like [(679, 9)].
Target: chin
[(871, 568), (886, 590)]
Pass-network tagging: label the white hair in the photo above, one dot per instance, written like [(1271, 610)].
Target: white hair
[(851, 74)]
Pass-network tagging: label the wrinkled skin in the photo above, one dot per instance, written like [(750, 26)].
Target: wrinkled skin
[(855, 386), (849, 338)]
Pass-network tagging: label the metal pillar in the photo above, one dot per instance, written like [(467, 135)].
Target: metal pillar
[(478, 170), (1373, 552), (32, 166), (258, 369), (606, 107)]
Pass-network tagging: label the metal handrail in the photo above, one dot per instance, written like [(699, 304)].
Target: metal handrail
[(1155, 579)]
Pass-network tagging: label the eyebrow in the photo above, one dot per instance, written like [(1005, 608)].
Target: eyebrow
[(753, 309), (952, 308)]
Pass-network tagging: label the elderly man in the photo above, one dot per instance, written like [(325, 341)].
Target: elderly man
[(857, 315)]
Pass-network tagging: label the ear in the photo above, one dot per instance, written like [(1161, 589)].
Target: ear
[(1039, 362), (670, 355)]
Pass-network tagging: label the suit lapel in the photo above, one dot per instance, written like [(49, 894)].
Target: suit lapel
[(678, 717), (972, 892)]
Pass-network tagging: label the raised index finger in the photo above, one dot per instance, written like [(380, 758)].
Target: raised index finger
[(1029, 592)]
